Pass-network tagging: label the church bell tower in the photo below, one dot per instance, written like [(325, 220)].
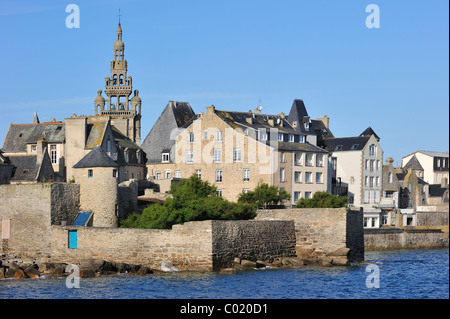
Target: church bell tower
[(125, 113)]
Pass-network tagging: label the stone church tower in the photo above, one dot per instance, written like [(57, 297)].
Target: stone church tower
[(125, 113)]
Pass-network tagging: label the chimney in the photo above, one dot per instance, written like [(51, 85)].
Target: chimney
[(210, 109), (249, 120), (325, 120), (389, 161), (41, 148)]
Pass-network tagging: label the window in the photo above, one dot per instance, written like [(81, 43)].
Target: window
[(282, 157), (205, 135), (90, 173), (298, 159), (33, 148), (338, 148), (114, 173), (319, 178), (377, 181), (198, 172), (366, 181), (372, 162), (53, 154), (218, 176), (280, 137), (307, 195), (282, 175), (378, 165), (389, 194), (291, 138), (297, 177), (245, 190), (189, 156), (236, 155), (371, 181), (366, 164), (73, 239), (246, 176), (177, 174), (301, 139), (217, 158), (165, 157), (307, 126), (263, 135), (319, 160), (390, 177), (191, 137), (219, 192), (219, 136), (158, 175), (309, 159), (372, 150), (354, 146), (167, 174), (334, 163), (296, 196), (308, 177), (108, 146)]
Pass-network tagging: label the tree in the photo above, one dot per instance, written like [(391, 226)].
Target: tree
[(192, 200), (265, 196), (322, 200)]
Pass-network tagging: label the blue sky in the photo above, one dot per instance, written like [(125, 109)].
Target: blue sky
[(232, 54)]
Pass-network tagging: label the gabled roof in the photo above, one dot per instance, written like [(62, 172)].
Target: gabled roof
[(19, 135), (96, 158), (26, 168), (436, 190), (368, 132), (174, 116), (346, 143), (414, 163)]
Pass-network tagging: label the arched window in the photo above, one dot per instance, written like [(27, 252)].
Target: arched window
[(121, 79), (115, 79)]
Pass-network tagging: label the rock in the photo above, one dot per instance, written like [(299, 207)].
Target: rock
[(2, 272), (262, 264), (277, 263), (237, 260), (157, 271), (87, 273), (239, 267), (340, 261), (20, 274), (107, 268), (248, 263), (343, 251), (303, 252), (122, 267), (93, 264), (144, 270), (32, 271), (10, 272), (292, 261), (227, 271)]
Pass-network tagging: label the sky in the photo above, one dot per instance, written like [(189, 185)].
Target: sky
[(236, 54)]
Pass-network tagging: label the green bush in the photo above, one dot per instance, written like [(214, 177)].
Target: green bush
[(265, 196), (322, 200), (192, 200)]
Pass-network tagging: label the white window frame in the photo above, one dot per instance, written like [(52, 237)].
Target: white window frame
[(165, 157), (237, 158), (219, 136), (191, 137), (189, 156), (217, 155), (219, 176), (301, 139), (246, 175), (291, 138)]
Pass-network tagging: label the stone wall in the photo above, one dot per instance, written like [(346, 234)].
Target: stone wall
[(323, 229), (251, 240), (396, 238), (31, 210), (432, 218), (188, 246)]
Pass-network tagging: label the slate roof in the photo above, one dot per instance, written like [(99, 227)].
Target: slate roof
[(346, 143), (298, 113), (19, 135), (96, 158), (26, 168), (436, 190), (368, 132), (175, 115), (301, 147), (414, 163), (95, 133)]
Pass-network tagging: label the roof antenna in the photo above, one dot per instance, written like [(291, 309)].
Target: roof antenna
[(119, 15)]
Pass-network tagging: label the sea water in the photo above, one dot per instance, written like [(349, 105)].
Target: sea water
[(399, 274)]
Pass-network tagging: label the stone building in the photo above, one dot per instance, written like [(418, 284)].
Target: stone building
[(435, 165), (237, 150), (6, 169)]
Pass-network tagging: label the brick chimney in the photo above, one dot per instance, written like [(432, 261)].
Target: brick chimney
[(325, 120)]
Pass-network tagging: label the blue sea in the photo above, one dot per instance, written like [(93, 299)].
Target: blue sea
[(400, 274)]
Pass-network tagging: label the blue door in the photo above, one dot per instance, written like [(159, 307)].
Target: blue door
[(73, 239)]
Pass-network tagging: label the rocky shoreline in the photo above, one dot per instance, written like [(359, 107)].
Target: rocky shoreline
[(17, 268)]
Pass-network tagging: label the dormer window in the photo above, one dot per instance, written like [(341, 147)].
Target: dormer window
[(338, 148), (307, 126), (280, 137), (291, 138), (165, 158), (354, 146), (301, 139)]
